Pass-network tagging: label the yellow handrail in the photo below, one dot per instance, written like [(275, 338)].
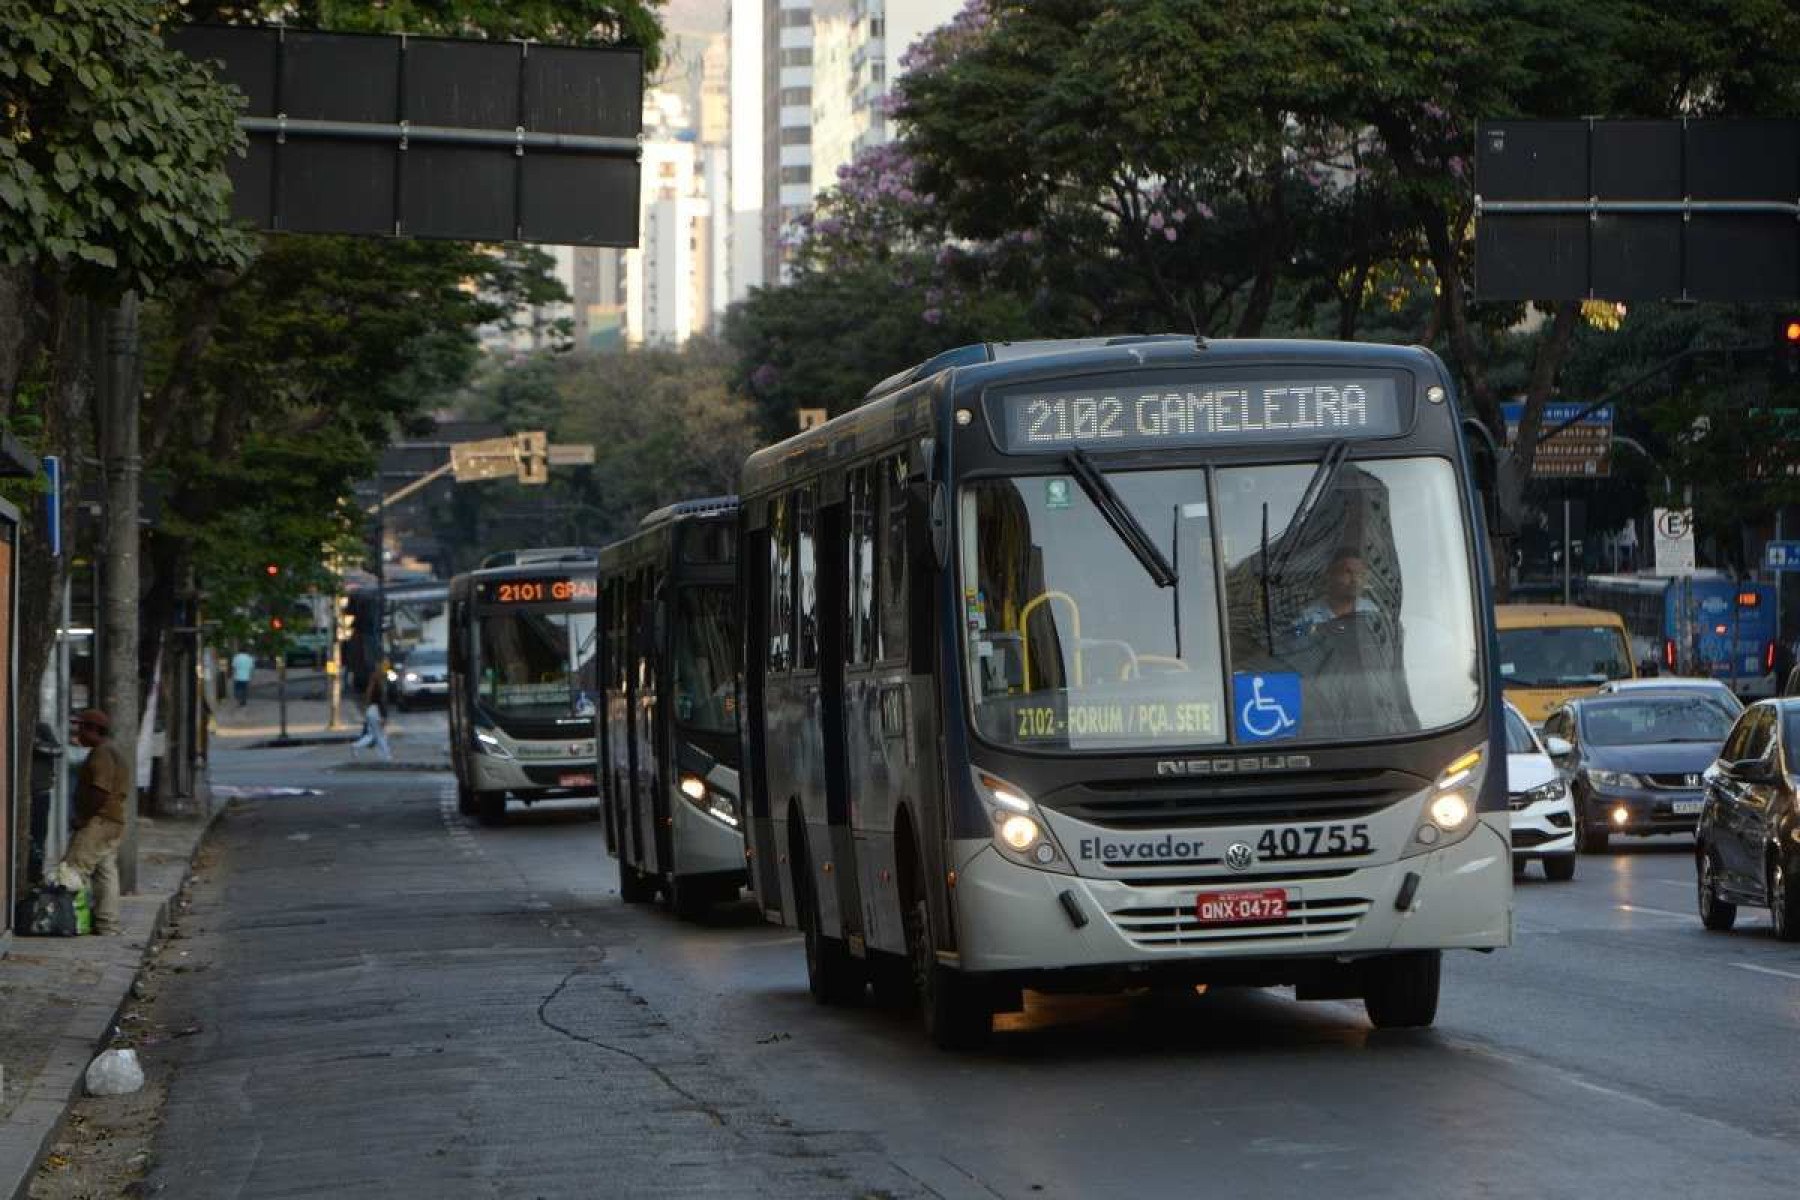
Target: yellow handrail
[(1025, 630)]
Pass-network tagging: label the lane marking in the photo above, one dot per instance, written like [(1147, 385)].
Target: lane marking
[(1660, 912), (1768, 971)]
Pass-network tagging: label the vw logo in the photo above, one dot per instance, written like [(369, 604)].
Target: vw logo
[(1239, 856)]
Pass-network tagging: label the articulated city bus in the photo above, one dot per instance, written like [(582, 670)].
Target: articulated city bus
[(667, 723), (1127, 663), (522, 683)]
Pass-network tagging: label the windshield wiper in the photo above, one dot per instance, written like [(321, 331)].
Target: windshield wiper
[(1316, 487), (1093, 481)]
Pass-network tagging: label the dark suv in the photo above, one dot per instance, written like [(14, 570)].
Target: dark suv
[(1747, 846), (1634, 761)]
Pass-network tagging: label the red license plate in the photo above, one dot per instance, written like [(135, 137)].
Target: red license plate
[(1229, 908), (575, 780)]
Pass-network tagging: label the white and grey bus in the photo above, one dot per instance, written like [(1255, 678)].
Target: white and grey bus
[(667, 722), (522, 683), (1127, 663)]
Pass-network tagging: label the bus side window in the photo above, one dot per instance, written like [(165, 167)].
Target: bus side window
[(806, 612), (892, 578), (780, 632), (859, 597)]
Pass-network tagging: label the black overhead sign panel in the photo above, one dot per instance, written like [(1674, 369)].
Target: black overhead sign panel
[(1637, 210), (432, 137)]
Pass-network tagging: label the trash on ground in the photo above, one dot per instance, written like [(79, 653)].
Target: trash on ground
[(115, 1073)]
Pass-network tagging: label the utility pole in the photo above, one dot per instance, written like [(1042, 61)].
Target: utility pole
[(122, 468)]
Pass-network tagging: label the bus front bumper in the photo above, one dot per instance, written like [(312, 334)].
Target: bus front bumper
[(1012, 918)]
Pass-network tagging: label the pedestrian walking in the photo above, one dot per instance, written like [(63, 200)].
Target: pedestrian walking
[(243, 665), (375, 716), (101, 788)]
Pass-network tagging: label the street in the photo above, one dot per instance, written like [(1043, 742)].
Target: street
[(395, 1001)]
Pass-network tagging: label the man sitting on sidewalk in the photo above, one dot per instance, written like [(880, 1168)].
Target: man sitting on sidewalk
[(101, 788)]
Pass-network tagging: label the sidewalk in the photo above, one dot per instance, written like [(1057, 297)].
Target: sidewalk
[(60, 999)]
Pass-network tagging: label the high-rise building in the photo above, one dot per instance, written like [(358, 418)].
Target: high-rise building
[(827, 68)]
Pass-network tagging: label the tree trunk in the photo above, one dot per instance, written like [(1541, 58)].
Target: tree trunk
[(118, 430), (1552, 349)]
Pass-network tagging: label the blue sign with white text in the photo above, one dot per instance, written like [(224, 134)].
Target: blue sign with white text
[(1265, 705), (1782, 556)]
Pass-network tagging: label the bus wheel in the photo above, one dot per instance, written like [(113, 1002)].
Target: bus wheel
[(635, 887), (832, 975), (1400, 991), (957, 1012), (690, 898), (490, 808)]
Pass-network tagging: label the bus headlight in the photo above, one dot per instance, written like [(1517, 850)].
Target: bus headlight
[(1450, 807), (487, 743), (717, 804), (1020, 834)]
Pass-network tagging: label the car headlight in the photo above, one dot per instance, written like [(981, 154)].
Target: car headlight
[(1450, 806), (487, 743), (412, 677), (1544, 791), (1612, 779), (720, 805), (1020, 834)]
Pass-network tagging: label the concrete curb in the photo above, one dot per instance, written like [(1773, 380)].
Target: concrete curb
[(37, 1120)]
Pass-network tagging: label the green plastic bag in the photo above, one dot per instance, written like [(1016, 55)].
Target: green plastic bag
[(84, 913)]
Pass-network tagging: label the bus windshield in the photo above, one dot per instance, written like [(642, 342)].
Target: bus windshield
[(1562, 656), (1348, 616), (537, 664), (706, 658)]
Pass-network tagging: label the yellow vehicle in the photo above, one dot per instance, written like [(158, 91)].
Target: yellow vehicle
[(1551, 652)]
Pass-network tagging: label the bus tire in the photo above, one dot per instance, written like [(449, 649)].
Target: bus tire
[(956, 1010), (690, 898), (832, 975), (490, 807), (1400, 991), (635, 887)]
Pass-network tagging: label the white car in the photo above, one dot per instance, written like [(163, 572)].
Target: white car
[(423, 678), (1677, 683), (1543, 813)]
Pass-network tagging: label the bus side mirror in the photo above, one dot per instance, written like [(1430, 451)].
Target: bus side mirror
[(939, 518)]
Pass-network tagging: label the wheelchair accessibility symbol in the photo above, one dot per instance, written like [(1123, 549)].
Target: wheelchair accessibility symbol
[(1267, 705)]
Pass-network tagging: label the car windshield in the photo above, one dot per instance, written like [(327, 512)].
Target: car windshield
[(1646, 720), (1355, 622), (536, 664), (1518, 736), (425, 658), (706, 658), (1562, 656)]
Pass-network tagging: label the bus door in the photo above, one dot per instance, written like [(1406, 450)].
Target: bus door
[(661, 744), (759, 828), (832, 591)]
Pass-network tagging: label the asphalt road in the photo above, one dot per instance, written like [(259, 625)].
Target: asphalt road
[(397, 1002)]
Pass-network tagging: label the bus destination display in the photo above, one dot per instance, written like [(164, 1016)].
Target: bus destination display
[(1125, 416), (549, 589)]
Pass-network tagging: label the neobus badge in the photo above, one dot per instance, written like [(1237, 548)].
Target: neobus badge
[(1242, 765), (1201, 411)]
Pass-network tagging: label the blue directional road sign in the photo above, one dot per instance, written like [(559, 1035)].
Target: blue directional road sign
[(1782, 556)]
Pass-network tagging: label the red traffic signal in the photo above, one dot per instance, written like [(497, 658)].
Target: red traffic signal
[(275, 624), (272, 570)]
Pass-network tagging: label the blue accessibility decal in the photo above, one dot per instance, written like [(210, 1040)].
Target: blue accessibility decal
[(1266, 705)]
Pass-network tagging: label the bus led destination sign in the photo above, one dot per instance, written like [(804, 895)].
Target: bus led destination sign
[(1200, 412), (558, 589)]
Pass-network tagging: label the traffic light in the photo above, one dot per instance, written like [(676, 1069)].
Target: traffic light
[(272, 570), (1786, 347), (275, 624)]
